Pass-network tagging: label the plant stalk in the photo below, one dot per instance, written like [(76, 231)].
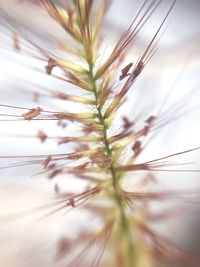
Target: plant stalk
[(124, 223)]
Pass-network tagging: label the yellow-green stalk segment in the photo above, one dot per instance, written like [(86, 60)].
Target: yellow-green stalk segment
[(124, 223)]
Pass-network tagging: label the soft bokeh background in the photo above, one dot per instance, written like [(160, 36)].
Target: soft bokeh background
[(31, 240)]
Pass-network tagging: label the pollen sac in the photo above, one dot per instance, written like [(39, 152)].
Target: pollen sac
[(34, 112), (127, 124), (71, 202), (16, 43), (47, 161), (124, 72), (51, 64), (137, 147), (54, 173), (146, 130), (63, 247), (138, 68), (151, 119), (42, 136)]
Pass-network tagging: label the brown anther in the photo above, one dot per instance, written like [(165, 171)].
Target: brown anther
[(34, 112), (51, 166), (61, 95), (42, 136), (45, 163), (138, 68), (54, 173), (127, 124), (16, 42), (62, 248), (124, 72), (51, 64), (137, 147), (150, 120), (146, 130), (71, 202)]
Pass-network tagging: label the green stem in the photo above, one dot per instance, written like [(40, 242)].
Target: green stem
[(124, 223)]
